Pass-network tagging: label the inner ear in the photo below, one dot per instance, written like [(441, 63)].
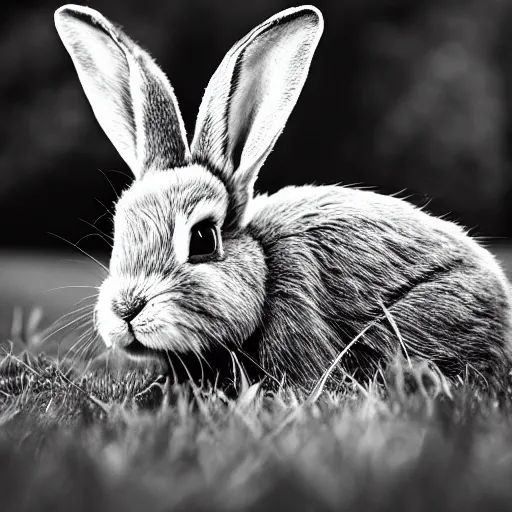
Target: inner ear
[(251, 95), (131, 97), (239, 143)]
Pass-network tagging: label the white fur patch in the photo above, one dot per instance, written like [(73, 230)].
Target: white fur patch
[(113, 330), (181, 237)]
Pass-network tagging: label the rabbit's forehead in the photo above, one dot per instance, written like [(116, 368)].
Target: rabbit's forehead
[(181, 191)]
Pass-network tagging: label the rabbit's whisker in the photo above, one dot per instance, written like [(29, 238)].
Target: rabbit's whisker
[(86, 334), (98, 230), (110, 183), (85, 253), (107, 211), (81, 318), (89, 235)]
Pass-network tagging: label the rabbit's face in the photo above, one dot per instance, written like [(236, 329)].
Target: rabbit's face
[(177, 280)]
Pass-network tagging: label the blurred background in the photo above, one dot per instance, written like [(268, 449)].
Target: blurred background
[(412, 96)]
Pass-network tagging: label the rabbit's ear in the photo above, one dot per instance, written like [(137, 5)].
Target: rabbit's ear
[(131, 97), (252, 93)]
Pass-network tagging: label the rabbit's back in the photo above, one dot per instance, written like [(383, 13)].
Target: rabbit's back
[(338, 257)]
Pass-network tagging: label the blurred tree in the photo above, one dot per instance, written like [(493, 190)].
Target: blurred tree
[(401, 95)]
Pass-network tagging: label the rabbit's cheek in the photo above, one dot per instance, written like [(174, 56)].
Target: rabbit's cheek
[(150, 318)]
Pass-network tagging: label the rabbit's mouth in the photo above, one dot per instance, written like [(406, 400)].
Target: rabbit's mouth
[(136, 348), (214, 366), (138, 351)]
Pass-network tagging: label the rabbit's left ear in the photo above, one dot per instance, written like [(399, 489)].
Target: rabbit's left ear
[(130, 96), (251, 95)]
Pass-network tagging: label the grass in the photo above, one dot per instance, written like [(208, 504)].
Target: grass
[(98, 439)]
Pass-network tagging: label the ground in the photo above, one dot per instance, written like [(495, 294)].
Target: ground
[(84, 438), (97, 441)]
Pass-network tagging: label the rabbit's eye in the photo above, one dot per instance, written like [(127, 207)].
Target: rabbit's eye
[(203, 242)]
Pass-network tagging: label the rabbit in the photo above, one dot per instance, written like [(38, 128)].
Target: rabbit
[(203, 268)]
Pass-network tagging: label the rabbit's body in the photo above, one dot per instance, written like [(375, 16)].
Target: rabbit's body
[(200, 267), (342, 253)]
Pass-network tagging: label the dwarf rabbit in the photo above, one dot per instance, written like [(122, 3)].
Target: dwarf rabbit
[(201, 267)]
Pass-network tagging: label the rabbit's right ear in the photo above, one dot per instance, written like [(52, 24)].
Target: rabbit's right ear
[(131, 97), (251, 95)]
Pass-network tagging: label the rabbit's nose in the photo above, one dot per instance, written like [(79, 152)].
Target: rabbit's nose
[(128, 310)]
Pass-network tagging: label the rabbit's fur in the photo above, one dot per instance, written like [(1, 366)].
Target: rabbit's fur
[(298, 274)]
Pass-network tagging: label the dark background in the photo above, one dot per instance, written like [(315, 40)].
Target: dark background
[(411, 96), (403, 96)]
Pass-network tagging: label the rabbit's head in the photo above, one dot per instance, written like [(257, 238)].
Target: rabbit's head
[(185, 273)]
